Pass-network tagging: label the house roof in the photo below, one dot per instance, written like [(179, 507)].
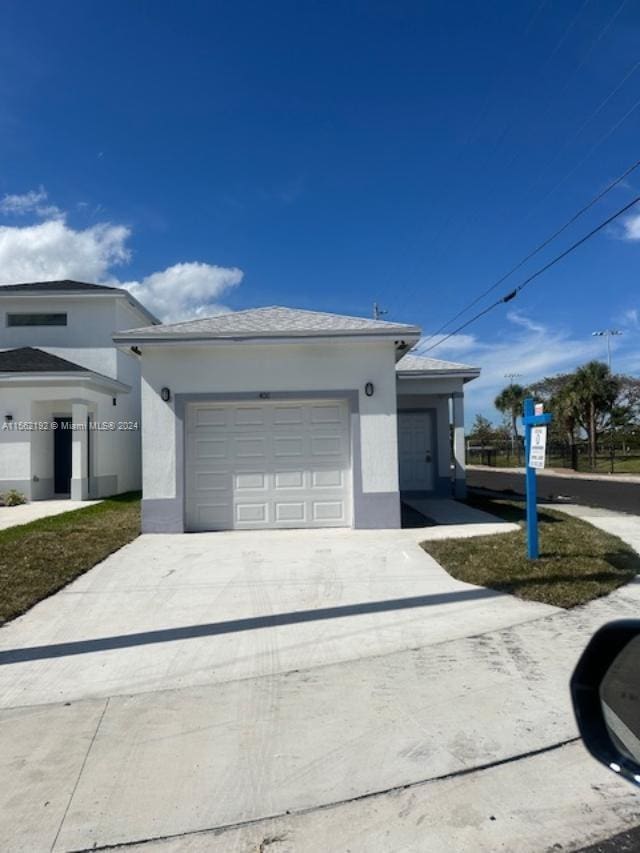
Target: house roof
[(32, 360), (419, 365), (272, 322), (31, 365), (65, 285)]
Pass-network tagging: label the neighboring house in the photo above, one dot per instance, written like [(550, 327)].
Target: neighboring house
[(70, 399), (275, 418)]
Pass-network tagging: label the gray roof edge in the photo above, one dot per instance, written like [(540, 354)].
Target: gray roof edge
[(138, 335), (422, 374), (82, 374)]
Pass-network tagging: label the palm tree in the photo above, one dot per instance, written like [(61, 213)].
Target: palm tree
[(565, 407), (594, 390), (509, 401)]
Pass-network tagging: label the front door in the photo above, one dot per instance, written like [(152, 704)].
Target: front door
[(62, 456), (415, 451)]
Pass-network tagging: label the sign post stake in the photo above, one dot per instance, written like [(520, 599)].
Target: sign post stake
[(531, 488), (531, 419)]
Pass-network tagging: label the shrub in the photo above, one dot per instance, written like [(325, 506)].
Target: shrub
[(13, 498)]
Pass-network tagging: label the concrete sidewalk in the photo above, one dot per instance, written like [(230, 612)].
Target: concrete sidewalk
[(565, 473), (12, 516), (621, 524)]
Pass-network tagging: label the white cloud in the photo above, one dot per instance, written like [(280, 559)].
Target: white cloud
[(529, 348), (631, 227), (34, 201), (55, 250), (185, 290)]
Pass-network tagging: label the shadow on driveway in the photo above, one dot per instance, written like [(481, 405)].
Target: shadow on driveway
[(212, 629)]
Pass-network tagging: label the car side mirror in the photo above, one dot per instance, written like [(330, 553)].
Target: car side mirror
[(605, 689)]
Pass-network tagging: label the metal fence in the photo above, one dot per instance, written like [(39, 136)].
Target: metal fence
[(619, 458)]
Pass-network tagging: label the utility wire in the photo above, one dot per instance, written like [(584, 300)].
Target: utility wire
[(539, 248), (513, 293)]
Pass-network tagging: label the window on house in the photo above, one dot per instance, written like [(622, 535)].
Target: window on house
[(36, 319)]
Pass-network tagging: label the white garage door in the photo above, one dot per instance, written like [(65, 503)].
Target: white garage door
[(256, 465)]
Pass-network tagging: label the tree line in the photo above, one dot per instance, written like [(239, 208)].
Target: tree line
[(590, 403)]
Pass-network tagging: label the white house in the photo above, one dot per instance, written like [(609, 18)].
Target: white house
[(276, 417), (69, 398)]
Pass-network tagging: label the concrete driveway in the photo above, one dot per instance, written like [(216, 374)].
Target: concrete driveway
[(215, 683), (172, 611)]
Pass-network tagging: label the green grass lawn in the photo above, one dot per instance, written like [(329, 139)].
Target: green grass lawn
[(578, 562), (39, 558)]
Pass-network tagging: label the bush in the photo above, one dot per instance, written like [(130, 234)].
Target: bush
[(12, 498)]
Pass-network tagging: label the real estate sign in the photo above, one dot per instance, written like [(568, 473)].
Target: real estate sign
[(537, 446)]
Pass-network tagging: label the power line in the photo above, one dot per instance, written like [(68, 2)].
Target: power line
[(539, 248), (513, 293)]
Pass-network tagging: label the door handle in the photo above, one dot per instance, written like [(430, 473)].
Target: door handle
[(427, 457)]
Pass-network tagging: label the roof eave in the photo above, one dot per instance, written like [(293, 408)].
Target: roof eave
[(64, 377), (408, 336), (471, 373)]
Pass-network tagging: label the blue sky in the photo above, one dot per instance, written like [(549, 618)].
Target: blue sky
[(326, 155)]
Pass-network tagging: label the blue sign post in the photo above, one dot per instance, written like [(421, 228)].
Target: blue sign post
[(530, 419)]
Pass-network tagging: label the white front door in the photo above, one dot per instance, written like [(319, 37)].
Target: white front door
[(258, 465), (415, 451)]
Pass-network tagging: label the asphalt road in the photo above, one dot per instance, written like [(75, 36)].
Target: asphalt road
[(619, 496), (625, 842)]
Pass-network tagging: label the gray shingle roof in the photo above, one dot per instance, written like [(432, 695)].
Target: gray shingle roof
[(53, 286), (420, 363), (270, 322), (32, 360)]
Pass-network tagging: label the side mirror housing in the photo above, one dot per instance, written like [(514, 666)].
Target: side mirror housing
[(605, 689)]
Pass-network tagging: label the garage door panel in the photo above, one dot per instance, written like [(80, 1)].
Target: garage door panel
[(289, 480), (250, 446), (211, 448), (288, 415), (327, 445), (290, 511), (249, 416), (290, 446), (250, 480), (268, 465), (209, 481), (326, 413), (252, 513), (328, 510), (327, 479), (212, 516), (203, 417)]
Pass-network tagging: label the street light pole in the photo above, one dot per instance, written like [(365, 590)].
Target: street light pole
[(608, 334)]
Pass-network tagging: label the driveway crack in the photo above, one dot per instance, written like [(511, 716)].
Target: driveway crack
[(80, 772)]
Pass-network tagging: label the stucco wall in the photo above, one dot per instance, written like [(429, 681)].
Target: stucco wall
[(25, 455), (86, 340), (247, 368)]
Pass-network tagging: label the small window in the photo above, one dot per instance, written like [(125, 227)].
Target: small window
[(36, 319)]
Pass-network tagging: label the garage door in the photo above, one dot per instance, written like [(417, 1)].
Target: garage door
[(281, 464)]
